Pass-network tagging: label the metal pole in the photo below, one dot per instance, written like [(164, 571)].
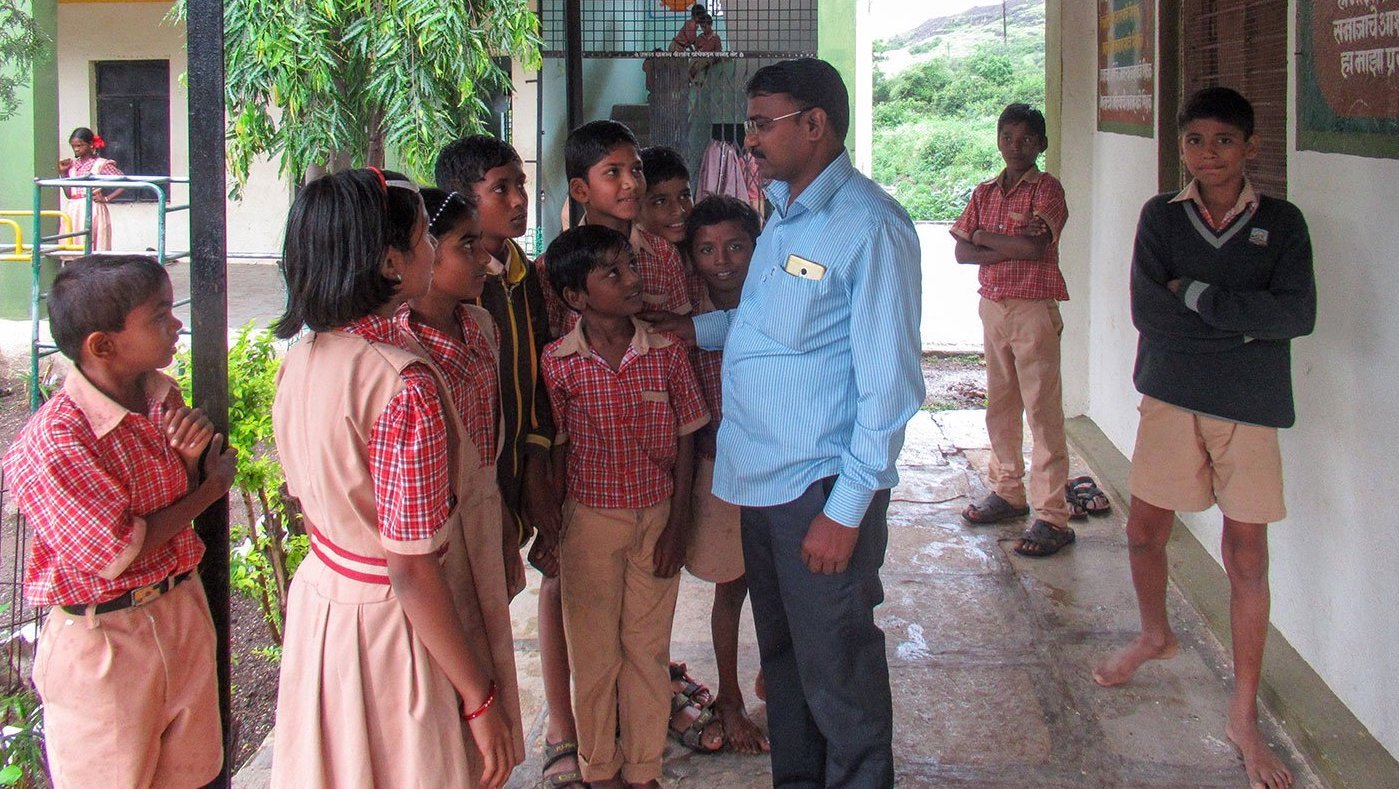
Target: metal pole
[(573, 83), (35, 307), (209, 307)]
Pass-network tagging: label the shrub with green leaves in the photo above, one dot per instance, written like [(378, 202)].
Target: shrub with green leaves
[(22, 761), (935, 122)]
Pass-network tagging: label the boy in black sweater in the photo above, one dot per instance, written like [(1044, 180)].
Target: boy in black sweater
[(1221, 282)]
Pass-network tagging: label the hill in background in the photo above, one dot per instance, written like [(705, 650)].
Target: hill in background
[(938, 90)]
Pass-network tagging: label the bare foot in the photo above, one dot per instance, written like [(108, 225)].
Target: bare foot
[(1265, 769), (742, 733), (1119, 667)]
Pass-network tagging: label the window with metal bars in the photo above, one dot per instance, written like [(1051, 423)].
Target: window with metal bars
[(636, 28), (1241, 44)]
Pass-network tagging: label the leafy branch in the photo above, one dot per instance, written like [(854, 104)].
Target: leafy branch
[(327, 84), (22, 43)]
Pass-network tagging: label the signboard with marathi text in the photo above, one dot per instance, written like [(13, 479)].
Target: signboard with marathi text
[(1348, 77), (1126, 66)]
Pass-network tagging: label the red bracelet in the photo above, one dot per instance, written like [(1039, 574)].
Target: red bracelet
[(485, 705)]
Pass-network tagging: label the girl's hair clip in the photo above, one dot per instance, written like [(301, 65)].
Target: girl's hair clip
[(396, 183), (380, 175), (453, 195)]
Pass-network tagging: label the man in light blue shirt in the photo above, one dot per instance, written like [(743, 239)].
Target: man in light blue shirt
[(821, 374)]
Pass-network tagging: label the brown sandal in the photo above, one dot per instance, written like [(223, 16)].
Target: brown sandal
[(993, 509), (553, 753), (1044, 539)]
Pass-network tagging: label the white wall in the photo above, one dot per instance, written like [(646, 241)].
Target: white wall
[(89, 32), (1333, 559)]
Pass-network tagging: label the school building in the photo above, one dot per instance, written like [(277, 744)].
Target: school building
[(1327, 90)]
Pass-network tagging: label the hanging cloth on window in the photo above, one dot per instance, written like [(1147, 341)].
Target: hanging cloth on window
[(721, 172)]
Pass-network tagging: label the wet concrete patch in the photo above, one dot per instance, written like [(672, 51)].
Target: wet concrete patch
[(983, 715), (926, 618), (939, 548)]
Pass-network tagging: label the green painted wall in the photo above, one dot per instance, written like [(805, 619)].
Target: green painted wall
[(30, 138), (835, 44)]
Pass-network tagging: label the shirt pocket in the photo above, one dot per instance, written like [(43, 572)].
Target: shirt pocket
[(794, 312), (655, 430)]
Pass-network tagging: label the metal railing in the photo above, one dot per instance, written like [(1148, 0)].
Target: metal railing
[(158, 185)]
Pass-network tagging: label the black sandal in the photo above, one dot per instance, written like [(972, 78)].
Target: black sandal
[(1083, 492), (1044, 539), (993, 509), (553, 753)]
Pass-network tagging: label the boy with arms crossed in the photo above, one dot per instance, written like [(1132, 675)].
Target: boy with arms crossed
[(108, 475), (1011, 230), (1221, 283)]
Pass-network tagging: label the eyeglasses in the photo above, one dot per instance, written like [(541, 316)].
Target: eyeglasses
[(757, 126)]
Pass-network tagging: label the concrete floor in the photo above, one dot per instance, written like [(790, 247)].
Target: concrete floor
[(989, 654)]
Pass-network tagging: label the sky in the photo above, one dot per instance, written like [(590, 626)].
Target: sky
[(893, 17)]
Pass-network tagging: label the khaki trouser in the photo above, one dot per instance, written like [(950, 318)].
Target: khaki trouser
[(1022, 380), (617, 616)]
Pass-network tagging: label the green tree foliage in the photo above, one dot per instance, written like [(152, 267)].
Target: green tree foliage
[(21, 44), (327, 84), (935, 122)]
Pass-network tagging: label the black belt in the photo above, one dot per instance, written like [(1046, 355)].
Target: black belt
[(139, 596)]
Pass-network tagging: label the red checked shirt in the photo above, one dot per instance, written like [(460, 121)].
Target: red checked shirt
[(471, 373), (408, 447), (85, 473), (708, 366), (1035, 195), (89, 165), (622, 425), (663, 282)]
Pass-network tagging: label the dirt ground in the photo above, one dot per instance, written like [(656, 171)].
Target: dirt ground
[(954, 381)]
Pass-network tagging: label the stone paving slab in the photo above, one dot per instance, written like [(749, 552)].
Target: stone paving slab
[(989, 654)]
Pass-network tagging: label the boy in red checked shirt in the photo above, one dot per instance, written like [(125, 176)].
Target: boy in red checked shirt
[(1011, 229), (108, 475), (628, 403), (606, 175)]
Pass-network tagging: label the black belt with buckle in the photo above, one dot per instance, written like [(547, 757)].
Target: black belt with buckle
[(139, 596)]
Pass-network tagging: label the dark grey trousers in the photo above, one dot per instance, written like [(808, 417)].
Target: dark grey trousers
[(830, 717)]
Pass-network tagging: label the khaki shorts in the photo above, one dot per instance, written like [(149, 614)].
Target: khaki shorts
[(131, 696), (715, 553), (1187, 462)]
